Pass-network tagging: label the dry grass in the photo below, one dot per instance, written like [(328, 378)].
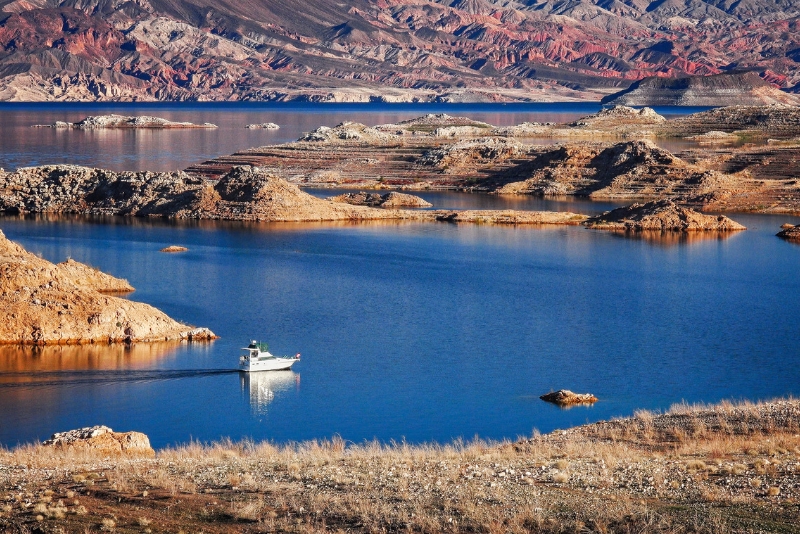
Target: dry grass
[(648, 473)]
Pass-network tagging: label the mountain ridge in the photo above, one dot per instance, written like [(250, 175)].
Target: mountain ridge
[(393, 50)]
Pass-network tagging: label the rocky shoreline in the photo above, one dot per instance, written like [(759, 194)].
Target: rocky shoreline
[(69, 304), (254, 194), (701, 469), (610, 155)]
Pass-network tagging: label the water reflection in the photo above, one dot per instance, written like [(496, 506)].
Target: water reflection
[(262, 386), (671, 238), (21, 359)]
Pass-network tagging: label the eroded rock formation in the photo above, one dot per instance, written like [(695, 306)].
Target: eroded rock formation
[(43, 303), (662, 215)]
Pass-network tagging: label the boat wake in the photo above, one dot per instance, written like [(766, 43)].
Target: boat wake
[(28, 379)]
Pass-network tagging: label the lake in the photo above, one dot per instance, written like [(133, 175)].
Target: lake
[(416, 332), (408, 331)]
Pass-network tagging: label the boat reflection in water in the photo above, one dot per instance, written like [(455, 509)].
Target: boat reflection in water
[(263, 385)]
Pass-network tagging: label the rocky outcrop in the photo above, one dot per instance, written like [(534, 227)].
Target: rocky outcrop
[(437, 125), (103, 441), (620, 116), (565, 397), (629, 170), (745, 88), (263, 126), (791, 232), (511, 217), (467, 154), (662, 215), (42, 303), (392, 199), (245, 193), (776, 120), (347, 132), (121, 121), (174, 248)]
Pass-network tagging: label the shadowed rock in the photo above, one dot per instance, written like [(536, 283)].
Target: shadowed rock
[(662, 215), (792, 232)]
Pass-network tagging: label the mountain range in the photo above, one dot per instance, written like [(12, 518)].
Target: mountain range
[(387, 50)]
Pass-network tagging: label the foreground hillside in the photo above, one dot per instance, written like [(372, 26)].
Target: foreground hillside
[(393, 50), (723, 468)]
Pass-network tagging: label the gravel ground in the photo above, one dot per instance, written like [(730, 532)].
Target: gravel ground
[(723, 468)]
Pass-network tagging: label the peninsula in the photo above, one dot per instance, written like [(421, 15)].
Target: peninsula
[(70, 303)]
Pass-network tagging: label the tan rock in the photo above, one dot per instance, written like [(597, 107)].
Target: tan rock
[(42, 303), (793, 233), (567, 397), (174, 248), (663, 215), (387, 200), (102, 439), (87, 277)]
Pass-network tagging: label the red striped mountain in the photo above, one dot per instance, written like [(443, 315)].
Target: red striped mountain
[(394, 50)]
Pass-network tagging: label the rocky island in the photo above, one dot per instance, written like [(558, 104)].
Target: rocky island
[(120, 121), (615, 154), (70, 303)]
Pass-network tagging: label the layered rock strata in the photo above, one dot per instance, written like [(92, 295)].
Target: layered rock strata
[(721, 178), (746, 88), (42, 303)]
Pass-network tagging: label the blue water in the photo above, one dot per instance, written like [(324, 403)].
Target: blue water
[(422, 332), (168, 150)]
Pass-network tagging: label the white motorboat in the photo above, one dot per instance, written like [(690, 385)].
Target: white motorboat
[(258, 358)]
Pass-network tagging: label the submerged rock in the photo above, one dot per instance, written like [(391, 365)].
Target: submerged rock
[(102, 439), (663, 215), (565, 397)]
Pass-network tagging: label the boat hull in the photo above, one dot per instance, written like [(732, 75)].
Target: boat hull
[(271, 364)]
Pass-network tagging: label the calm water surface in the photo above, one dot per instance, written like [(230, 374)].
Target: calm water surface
[(167, 150), (423, 332)]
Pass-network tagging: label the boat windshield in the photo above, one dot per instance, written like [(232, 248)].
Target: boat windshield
[(260, 346)]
